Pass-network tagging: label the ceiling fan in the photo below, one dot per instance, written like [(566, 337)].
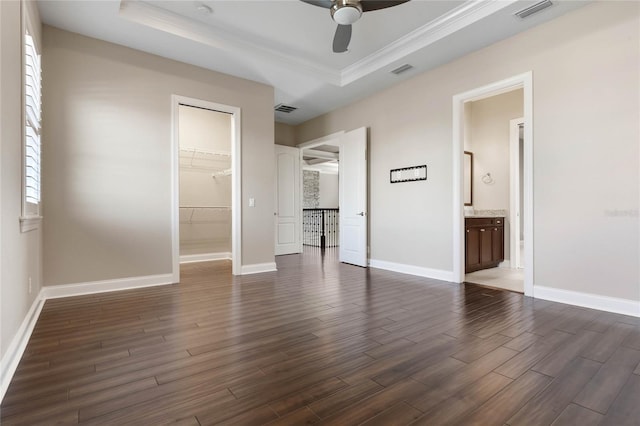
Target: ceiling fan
[(346, 12)]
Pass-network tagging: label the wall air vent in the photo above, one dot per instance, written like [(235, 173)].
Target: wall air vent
[(401, 69), (285, 108), (535, 8)]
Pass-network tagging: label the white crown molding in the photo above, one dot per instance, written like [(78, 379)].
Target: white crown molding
[(466, 14), (436, 274), (163, 20)]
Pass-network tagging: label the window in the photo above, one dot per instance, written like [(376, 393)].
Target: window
[(32, 119)]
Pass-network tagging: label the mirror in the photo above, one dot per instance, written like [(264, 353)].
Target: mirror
[(468, 178)]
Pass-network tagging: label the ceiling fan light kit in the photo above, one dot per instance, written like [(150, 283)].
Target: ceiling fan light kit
[(346, 12), (204, 9)]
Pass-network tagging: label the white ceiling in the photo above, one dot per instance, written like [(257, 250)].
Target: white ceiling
[(287, 43)]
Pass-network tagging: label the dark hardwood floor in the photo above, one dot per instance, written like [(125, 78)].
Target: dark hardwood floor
[(321, 342)]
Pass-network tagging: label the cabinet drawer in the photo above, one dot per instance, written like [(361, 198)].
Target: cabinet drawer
[(479, 221), (484, 221)]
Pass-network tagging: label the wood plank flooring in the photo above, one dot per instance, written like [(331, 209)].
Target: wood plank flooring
[(321, 342)]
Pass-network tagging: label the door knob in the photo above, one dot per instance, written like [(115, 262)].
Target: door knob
[(361, 214)]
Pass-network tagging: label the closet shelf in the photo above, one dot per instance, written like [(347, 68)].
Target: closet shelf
[(202, 152), (200, 159), (225, 172), (194, 208)]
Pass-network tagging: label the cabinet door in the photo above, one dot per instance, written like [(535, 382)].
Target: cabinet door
[(497, 244), (472, 249), (486, 246)]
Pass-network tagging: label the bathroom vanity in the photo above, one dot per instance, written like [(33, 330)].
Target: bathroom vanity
[(484, 242)]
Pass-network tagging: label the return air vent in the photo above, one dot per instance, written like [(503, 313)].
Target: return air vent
[(285, 108), (524, 13), (401, 69)]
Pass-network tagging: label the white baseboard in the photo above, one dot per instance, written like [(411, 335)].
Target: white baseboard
[(437, 274), (205, 257), (258, 268), (588, 300), (18, 344), (79, 289), (505, 264)]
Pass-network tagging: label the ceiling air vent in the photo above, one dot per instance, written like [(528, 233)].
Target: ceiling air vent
[(401, 69), (285, 108), (524, 13)]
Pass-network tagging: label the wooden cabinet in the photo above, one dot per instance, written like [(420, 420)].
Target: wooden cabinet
[(484, 242)]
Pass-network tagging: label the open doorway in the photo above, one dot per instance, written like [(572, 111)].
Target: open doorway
[(490, 231), (307, 196), (206, 182), (320, 197), (347, 150), (484, 230)]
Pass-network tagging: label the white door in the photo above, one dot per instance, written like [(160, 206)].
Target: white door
[(353, 197), (287, 204)]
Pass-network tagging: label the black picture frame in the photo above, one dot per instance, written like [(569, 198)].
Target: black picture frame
[(404, 174)]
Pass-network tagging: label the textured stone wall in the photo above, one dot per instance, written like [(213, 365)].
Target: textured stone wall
[(311, 189)]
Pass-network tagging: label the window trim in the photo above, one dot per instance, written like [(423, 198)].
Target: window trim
[(30, 219)]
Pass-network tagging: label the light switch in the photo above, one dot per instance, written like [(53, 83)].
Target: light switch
[(252, 202)]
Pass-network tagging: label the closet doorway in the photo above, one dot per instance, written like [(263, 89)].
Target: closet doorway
[(206, 181)]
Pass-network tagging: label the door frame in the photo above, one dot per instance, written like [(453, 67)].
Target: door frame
[(321, 141), (306, 145), (514, 190), (236, 180), (524, 81)]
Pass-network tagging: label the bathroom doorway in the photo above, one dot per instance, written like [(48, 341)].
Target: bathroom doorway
[(494, 180)]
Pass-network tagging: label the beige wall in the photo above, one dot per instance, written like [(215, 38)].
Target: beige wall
[(487, 136), (586, 150), (285, 134), (329, 190), (489, 142), (20, 257), (107, 168)]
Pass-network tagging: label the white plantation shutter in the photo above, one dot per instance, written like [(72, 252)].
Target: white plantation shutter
[(33, 111)]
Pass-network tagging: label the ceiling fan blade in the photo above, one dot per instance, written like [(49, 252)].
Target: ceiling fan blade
[(369, 5), (320, 3), (342, 38)]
